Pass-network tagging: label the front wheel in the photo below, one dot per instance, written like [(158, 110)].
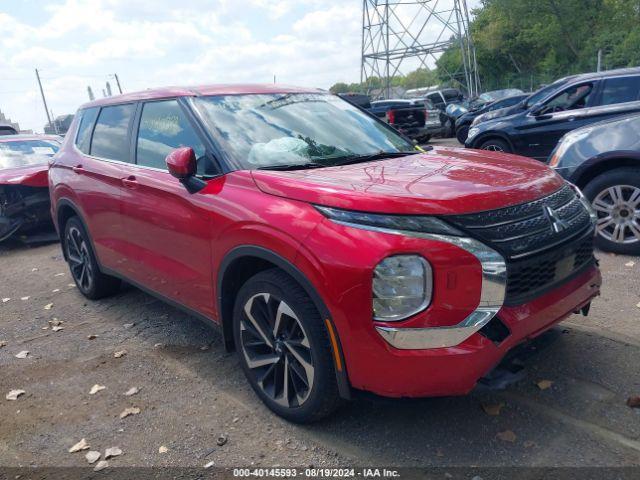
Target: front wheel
[(462, 133), (615, 196), (496, 145), (284, 348), (84, 267)]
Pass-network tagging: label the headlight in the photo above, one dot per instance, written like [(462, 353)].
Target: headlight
[(376, 221), (473, 132), (402, 286), (477, 120), (565, 143)]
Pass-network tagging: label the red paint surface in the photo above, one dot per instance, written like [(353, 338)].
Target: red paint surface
[(31, 176), (151, 230), (441, 181)]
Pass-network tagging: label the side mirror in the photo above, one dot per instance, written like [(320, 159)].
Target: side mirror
[(182, 164), (538, 109)]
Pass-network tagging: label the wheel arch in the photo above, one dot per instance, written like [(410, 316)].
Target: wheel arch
[(599, 165), (483, 137), (65, 209), (243, 262)]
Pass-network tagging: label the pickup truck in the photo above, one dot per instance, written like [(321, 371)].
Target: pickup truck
[(417, 119)]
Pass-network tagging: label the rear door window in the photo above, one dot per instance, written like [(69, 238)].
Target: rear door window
[(87, 120), (163, 128), (620, 90), (110, 136)]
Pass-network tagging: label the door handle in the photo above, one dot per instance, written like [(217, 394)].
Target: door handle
[(78, 169), (130, 182), (571, 119)]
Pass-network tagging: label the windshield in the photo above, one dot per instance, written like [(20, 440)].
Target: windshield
[(542, 93), (270, 130), (498, 94), (22, 153)]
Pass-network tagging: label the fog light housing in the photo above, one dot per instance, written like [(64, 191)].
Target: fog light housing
[(402, 287)]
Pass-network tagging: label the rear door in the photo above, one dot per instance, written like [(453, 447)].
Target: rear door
[(103, 140), (617, 96), (168, 230)]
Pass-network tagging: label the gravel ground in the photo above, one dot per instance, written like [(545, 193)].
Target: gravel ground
[(191, 392)]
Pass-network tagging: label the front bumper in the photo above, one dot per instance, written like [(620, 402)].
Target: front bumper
[(393, 372)]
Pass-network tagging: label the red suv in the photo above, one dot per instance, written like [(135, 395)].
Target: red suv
[(333, 255)]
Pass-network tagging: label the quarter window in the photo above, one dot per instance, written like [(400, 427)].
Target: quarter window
[(110, 138), (620, 90), (164, 127), (87, 120)]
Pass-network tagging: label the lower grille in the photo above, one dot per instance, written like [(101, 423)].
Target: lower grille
[(530, 278)]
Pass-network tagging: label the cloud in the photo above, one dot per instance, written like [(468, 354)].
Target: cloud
[(151, 43)]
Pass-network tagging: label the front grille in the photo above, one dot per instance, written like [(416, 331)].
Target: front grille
[(538, 256)]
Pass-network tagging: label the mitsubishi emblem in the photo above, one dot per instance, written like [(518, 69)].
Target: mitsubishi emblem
[(557, 224)]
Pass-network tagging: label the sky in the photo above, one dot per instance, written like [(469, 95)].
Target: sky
[(151, 43)]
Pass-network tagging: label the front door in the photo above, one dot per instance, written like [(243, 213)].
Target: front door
[(540, 132), (168, 230)]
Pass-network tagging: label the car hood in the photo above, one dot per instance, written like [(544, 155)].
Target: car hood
[(30, 176), (439, 182)]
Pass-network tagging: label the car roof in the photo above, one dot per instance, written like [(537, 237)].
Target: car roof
[(28, 136), (197, 91), (604, 74)]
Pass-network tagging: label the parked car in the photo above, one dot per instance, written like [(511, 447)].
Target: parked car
[(24, 195), (456, 109), (565, 105), (417, 119), (441, 99), (358, 99), (464, 121), (7, 130), (331, 253), (604, 160)]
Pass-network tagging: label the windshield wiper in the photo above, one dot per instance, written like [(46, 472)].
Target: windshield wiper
[(372, 156), (344, 160), (292, 166)]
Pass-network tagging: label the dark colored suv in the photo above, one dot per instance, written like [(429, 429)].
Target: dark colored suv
[(333, 255), (464, 121), (556, 109)]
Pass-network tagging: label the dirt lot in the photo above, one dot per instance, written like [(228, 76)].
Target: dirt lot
[(191, 391)]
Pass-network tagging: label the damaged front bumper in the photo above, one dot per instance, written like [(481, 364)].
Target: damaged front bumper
[(23, 209)]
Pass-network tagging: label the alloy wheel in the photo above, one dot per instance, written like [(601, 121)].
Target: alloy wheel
[(618, 209), (79, 259), (277, 350), (493, 148)]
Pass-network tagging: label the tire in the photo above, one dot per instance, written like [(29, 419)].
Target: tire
[(462, 133), (615, 195), (495, 145), (83, 265), (299, 351)]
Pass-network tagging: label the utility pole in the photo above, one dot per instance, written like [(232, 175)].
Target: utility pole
[(599, 67), (44, 101), (115, 75), (109, 89)]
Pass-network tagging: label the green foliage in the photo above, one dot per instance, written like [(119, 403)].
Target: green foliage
[(524, 43)]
